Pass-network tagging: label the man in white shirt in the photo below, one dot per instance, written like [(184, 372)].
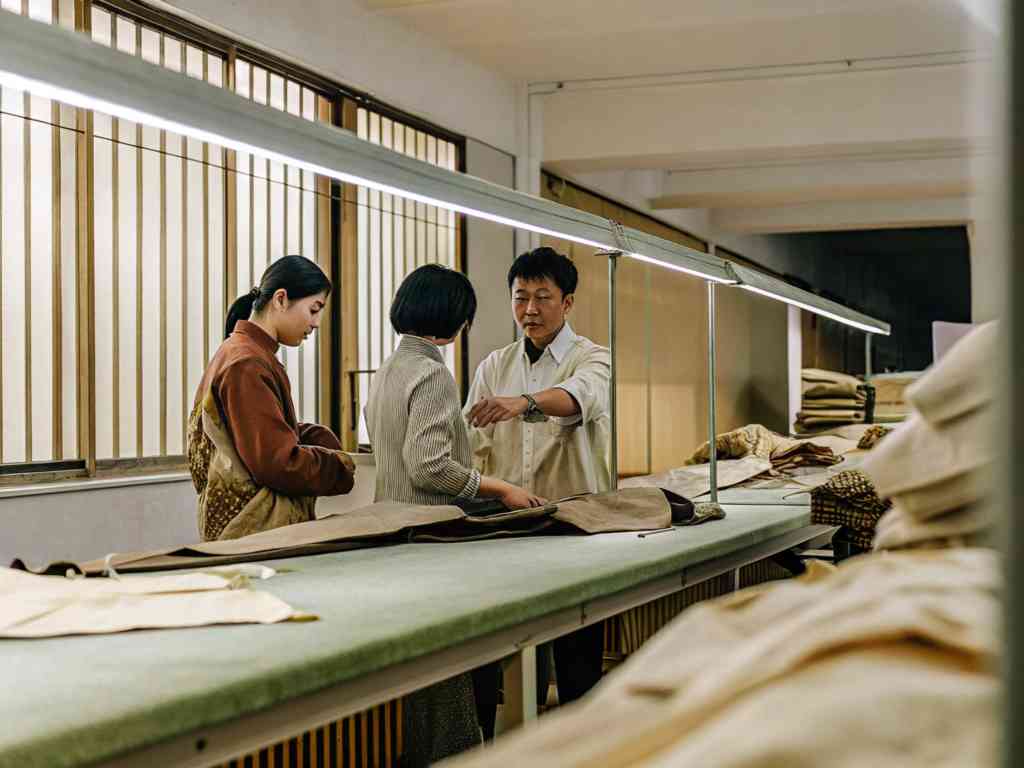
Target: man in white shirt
[(539, 412)]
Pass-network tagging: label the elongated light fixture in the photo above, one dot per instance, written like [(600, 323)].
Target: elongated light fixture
[(58, 64), (774, 288)]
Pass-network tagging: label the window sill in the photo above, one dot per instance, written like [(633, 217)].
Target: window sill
[(91, 484)]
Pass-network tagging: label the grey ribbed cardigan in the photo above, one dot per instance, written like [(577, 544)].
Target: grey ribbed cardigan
[(417, 430)]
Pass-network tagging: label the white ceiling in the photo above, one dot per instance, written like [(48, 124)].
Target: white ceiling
[(656, 86), (542, 40)]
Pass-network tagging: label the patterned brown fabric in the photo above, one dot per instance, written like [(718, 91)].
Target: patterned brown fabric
[(849, 500), (872, 436)]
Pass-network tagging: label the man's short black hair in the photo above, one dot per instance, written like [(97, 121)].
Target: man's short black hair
[(545, 262), (433, 301)]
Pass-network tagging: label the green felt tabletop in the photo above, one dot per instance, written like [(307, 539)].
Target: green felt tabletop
[(78, 700)]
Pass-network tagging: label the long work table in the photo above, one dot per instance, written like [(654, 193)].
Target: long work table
[(391, 620)]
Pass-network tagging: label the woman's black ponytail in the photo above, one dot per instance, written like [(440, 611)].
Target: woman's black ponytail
[(297, 275)]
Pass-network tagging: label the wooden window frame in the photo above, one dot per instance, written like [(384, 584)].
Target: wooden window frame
[(336, 239)]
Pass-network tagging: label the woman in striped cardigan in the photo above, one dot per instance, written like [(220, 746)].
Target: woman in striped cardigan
[(421, 447)]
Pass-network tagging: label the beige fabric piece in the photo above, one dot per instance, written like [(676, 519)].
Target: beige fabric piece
[(890, 388), (816, 382), (898, 529), (823, 671), (837, 403), (962, 381), (694, 481), (628, 509), (918, 455), (52, 606)]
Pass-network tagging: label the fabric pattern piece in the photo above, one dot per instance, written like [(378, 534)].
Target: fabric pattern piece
[(34, 606)]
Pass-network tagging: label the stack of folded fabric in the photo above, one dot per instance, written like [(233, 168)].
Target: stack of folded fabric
[(890, 396), (785, 453), (936, 466), (830, 400)]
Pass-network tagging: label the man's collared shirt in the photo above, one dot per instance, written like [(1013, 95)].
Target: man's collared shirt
[(561, 456)]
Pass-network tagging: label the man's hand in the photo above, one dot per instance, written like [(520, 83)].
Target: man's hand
[(496, 409)]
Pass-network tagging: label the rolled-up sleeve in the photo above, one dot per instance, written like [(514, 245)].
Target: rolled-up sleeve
[(267, 444), (480, 438), (427, 451), (590, 387)]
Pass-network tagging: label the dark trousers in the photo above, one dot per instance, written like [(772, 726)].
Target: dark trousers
[(486, 684), (578, 662)]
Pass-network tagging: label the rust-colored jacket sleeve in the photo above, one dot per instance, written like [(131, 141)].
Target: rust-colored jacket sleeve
[(318, 434), (268, 445)]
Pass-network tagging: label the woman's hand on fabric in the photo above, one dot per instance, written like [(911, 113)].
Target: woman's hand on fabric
[(515, 497), (492, 410)]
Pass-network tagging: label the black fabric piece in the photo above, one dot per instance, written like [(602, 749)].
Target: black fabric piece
[(682, 508), (478, 507)]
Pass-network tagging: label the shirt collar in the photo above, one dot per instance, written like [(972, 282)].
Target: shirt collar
[(560, 345), (419, 346), (262, 338)]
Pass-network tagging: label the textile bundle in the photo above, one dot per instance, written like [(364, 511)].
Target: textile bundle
[(890, 396), (936, 466), (830, 399), (784, 453), (849, 500), (821, 670)]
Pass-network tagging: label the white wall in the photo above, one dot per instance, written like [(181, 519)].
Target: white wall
[(83, 525), (87, 524), (343, 40), (490, 251)]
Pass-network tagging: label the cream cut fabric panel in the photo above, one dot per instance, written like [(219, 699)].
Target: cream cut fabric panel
[(962, 381), (34, 606)]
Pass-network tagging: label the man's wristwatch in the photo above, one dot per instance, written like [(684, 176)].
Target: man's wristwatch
[(533, 412)]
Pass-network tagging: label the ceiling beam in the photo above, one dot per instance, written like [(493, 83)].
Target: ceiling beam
[(758, 121), (840, 216), (817, 181)]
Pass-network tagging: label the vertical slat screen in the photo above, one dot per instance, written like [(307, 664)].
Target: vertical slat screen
[(395, 237), (38, 263), (159, 218), (279, 213)]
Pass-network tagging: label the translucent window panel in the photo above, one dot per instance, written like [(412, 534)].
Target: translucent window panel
[(38, 245), (159, 261), (277, 214), (178, 398), (13, 161), (395, 236)]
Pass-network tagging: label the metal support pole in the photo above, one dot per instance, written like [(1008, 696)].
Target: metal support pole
[(613, 261), (712, 505), (712, 394), (867, 355)]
